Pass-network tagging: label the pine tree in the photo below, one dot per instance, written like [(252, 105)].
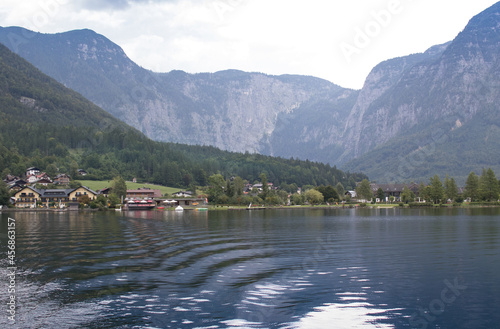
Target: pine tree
[(381, 194), (488, 186), (472, 186), (436, 189), (4, 193), (407, 195), (450, 188)]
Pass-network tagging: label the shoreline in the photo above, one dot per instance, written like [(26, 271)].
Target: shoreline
[(237, 208)]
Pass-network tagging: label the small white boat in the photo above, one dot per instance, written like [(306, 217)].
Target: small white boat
[(179, 208)]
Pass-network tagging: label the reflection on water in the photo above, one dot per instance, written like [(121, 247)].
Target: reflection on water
[(362, 268)]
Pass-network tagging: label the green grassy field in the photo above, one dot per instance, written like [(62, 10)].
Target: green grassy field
[(99, 185)]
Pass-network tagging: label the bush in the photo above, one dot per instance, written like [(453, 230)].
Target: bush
[(485, 203), (420, 204), (362, 205), (401, 204)]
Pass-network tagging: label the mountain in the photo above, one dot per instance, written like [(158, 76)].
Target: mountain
[(44, 124), (231, 110), (440, 115), (416, 116)]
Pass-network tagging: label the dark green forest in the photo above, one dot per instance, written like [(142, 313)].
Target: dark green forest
[(46, 125)]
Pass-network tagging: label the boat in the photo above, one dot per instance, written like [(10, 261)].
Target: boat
[(145, 204), (179, 208)]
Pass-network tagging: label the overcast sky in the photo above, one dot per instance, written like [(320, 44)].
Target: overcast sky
[(340, 41)]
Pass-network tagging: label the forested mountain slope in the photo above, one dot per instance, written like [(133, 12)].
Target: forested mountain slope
[(43, 123)]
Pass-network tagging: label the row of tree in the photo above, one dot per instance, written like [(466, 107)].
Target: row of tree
[(477, 188), (231, 191)]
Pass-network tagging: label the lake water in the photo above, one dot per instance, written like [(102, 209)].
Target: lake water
[(345, 268)]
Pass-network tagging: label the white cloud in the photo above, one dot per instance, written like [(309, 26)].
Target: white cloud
[(273, 36)]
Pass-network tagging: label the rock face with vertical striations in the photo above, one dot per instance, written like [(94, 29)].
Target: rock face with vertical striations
[(232, 110)]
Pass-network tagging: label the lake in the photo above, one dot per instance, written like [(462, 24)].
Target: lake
[(303, 268)]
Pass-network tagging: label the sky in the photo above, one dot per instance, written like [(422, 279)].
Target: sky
[(340, 41)]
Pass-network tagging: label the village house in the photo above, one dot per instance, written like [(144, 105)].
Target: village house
[(10, 179), (62, 179), (31, 179), (183, 194), (30, 197), (105, 191), (32, 171), (40, 178), (82, 172), (81, 191), (143, 193), (16, 187), (186, 202), (393, 190)]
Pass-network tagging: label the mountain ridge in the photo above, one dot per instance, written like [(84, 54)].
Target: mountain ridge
[(45, 124)]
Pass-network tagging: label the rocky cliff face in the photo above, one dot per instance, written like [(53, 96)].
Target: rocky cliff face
[(435, 106), (231, 110), (369, 123)]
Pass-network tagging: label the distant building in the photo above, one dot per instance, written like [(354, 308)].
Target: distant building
[(82, 172), (32, 171), (32, 179), (143, 193), (30, 197), (105, 191), (40, 178), (351, 194), (62, 179), (183, 194), (394, 190), (81, 191)]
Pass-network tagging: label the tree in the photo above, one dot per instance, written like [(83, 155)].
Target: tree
[(4, 194), (216, 187), (84, 199), (422, 192), (229, 189), (51, 170), (113, 200), (380, 194), (119, 187), (450, 188), (472, 186), (364, 190), (298, 199), (314, 197), (407, 195), (74, 184), (265, 187), (340, 190), (329, 192), (436, 189), (238, 185), (488, 186)]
